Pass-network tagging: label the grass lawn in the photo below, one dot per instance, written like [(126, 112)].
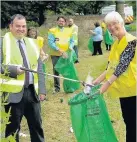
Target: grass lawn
[(56, 115)]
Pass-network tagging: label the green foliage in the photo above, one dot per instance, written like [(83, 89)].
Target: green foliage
[(49, 12), (67, 11), (32, 10), (3, 31), (36, 11), (4, 117), (32, 24), (4, 121), (133, 27), (89, 7)]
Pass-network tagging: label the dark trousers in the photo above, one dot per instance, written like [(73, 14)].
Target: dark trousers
[(30, 108), (97, 47), (108, 47), (56, 80), (76, 51), (128, 107)]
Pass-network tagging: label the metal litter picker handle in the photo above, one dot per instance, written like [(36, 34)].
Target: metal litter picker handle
[(73, 80)]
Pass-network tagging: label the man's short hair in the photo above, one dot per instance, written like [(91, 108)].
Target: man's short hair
[(18, 16), (62, 18)]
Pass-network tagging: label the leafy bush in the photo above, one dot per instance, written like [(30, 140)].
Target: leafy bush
[(49, 12), (4, 120), (133, 27), (4, 116), (32, 24), (4, 31)]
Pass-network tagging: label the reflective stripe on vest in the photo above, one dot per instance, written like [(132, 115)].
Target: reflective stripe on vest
[(14, 82), (125, 84), (7, 38), (13, 57)]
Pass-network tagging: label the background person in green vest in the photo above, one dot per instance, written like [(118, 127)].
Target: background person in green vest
[(24, 90), (74, 29), (60, 40)]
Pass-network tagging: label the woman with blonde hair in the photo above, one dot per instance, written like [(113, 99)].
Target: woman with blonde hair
[(120, 75), (33, 33)]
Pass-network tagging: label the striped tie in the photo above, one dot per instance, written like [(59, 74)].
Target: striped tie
[(25, 64)]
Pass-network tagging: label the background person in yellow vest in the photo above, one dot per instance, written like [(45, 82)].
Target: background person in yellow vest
[(121, 74), (108, 39), (25, 89), (33, 33), (74, 29), (60, 40)]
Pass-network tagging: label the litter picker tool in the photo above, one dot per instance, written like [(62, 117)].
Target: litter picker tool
[(30, 70)]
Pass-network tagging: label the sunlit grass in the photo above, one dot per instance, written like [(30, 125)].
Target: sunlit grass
[(56, 115)]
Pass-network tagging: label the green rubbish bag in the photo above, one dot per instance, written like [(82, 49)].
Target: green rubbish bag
[(90, 45), (44, 67), (108, 37), (90, 119), (67, 69), (128, 28)]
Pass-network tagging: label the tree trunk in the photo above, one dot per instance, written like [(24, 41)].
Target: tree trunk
[(120, 7)]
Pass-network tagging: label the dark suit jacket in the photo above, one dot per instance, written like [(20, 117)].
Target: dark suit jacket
[(16, 97)]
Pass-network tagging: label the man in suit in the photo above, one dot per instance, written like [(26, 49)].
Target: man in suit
[(25, 90)]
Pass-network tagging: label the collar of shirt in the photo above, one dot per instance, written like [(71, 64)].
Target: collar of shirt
[(23, 45), (60, 29), (22, 41)]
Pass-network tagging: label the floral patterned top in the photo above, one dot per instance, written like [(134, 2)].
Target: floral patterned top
[(125, 58)]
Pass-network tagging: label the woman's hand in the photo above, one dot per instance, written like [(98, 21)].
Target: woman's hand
[(44, 57), (107, 84), (42, 97), (92, 32), (104, 87), (95, 82), (64, 55)]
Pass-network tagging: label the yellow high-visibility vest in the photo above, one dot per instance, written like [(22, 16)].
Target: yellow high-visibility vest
[(74, 29), (62, 39), (12, 56), (125, 84), (40, 41), (103, 26)]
